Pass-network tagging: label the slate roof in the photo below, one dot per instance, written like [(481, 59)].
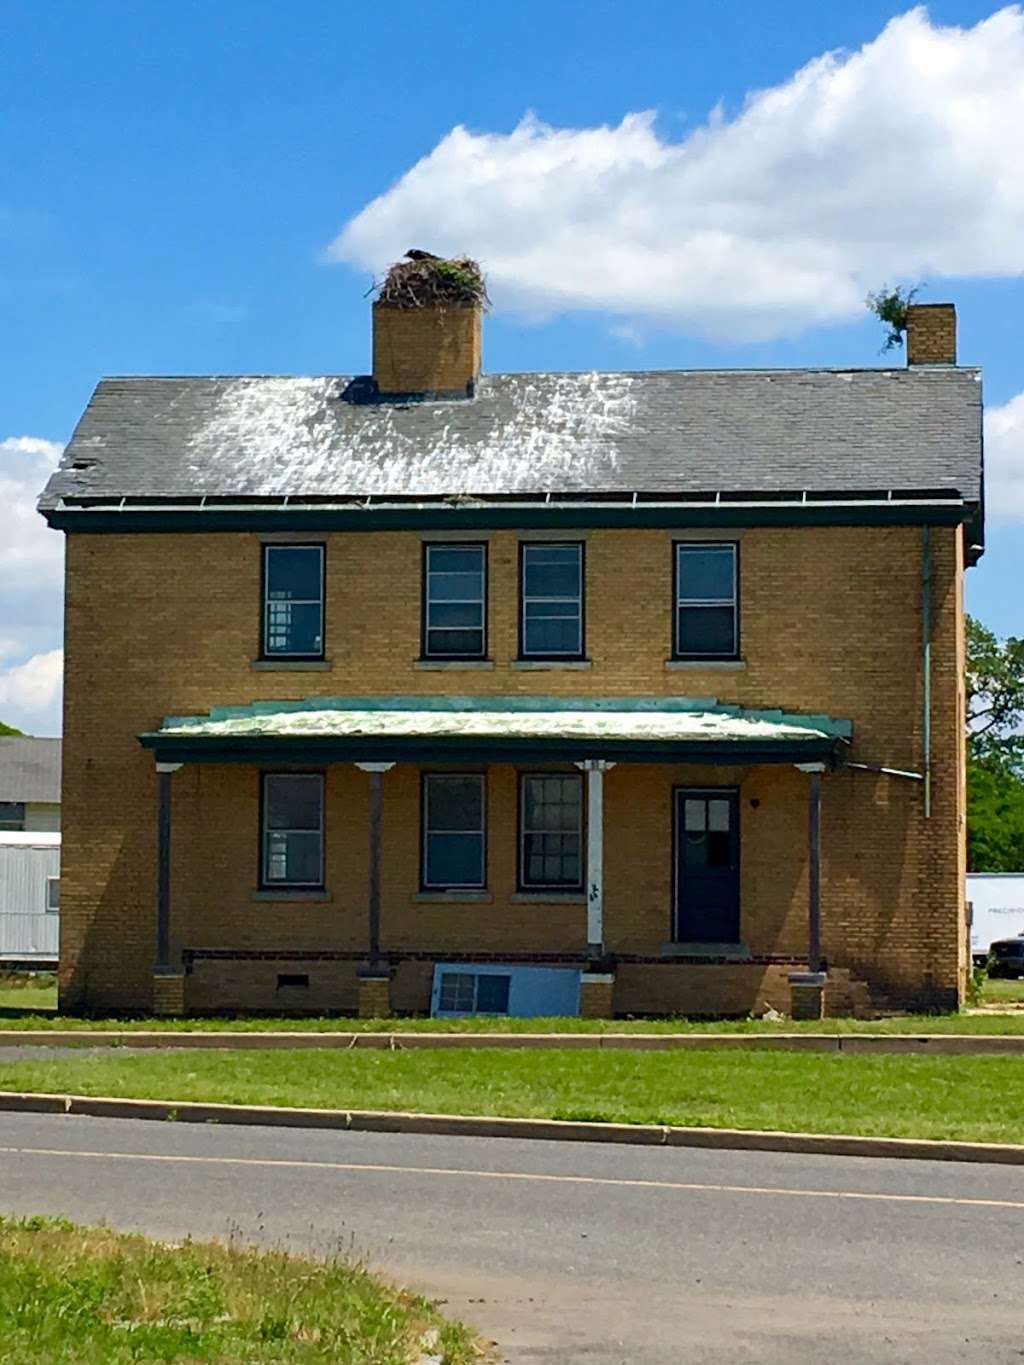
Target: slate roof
[(678, 432), (29, 769)]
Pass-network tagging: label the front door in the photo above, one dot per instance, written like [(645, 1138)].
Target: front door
[(707, 859)]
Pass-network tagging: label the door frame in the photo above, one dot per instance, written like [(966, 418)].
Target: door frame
[(724, 789)]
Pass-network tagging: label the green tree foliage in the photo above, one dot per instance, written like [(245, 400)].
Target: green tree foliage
[(890, 306), (995, 751), (8, 729)]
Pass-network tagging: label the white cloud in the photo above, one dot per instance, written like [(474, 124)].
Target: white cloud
[(900, 161), (1004, 461), (31, 570)]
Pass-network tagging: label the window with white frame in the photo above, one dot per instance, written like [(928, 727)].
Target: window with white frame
[(473, 993), (706, 601), (551, 600), (293, 830), (454, 601), (293, 601), (551, 831), (454, 831), (12, 815), (53, 894)]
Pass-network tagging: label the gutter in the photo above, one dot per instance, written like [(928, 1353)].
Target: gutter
[(926, 664)]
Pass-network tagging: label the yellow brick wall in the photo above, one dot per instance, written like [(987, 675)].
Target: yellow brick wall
[(426, 350), (831, 621)]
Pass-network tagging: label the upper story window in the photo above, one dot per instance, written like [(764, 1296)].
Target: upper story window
[(706, 600), (454, 831), (454, 601), (551, 600), (550, 831), (12, 815), (293, 830), (293, 601)]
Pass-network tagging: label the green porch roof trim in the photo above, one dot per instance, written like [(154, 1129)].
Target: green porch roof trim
[(825, 726)]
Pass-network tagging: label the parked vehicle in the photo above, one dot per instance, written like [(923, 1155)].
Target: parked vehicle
[(1007, 957)]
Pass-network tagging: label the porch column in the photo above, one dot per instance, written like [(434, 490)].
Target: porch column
[(376, 771), (808, 988), (168, 978), (595, 768)]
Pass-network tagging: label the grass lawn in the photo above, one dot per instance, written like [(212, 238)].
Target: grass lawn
[(28, 991), (1003, 990), (73, 1295), (977, 1098)]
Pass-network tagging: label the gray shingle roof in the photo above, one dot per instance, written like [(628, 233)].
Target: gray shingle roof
[(29, 769), (671, 431)]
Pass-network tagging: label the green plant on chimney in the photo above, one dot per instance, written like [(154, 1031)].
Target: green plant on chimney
[(891, 306)]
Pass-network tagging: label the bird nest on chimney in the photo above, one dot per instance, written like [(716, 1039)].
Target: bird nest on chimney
[(424, 280)]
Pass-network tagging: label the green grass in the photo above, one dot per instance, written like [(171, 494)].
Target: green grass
[(28, 991), (979, 1098), (73, 1295), (1003, 990)]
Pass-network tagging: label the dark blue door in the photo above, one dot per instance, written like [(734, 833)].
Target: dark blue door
[(707, 847)]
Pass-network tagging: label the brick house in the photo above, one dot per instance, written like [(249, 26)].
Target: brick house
[(628, 692)]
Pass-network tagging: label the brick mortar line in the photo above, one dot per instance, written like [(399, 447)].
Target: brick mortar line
[(945, 1044), (466, 1125)]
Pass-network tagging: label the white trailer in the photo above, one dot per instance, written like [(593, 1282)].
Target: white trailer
[(29, 897), (997, 908)]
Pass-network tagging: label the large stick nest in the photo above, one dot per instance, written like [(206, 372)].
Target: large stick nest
[(425, 281)]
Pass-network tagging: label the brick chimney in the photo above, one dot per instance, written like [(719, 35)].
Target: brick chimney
[(931, 334), (432, 349)]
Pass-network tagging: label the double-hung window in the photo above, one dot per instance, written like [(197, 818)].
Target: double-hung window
[(454, 831), (293, 601), (706, 600), (551, 600), (550, 831), (454, 601), (292, 852)]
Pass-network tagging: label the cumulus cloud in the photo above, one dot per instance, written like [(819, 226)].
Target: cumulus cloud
[(900, 161), (31, 569), (1004, 461)]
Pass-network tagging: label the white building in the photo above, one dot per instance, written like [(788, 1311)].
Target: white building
[(997, 901), (29, 897), (29, 784)]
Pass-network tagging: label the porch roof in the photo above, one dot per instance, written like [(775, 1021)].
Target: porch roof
[(498, 729)]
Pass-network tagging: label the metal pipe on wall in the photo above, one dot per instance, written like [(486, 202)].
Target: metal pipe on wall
[(926, 638)]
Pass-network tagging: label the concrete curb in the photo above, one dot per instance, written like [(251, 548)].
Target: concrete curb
[(468, 1125), (926, 1044)]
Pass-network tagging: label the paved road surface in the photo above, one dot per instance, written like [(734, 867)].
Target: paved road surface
[(570, 1253)]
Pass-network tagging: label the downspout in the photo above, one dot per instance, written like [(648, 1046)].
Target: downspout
[(926, 640)]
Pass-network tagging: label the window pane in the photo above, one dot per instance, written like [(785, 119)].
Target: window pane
[(552, 821), (293, 856), (12, 815), (457, 992), (718, 815), (293, 572), (694, 815), (492, 994), (707, 630), (551, 637), (292, 800), (451, 614), (449, 587), (294, 628), (707, 573), (455, 803), (53, 893), (455, 642), (461, 559), (455, 859), (551, 570)]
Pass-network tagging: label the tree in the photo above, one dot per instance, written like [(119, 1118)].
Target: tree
[(8, 729), (995, 751)]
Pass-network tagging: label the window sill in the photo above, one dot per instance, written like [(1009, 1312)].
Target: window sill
[(548, 898), (732, 952), (453, 665), (292, 665), (550, 665), (292, 894), (696, 665), (453, 898)]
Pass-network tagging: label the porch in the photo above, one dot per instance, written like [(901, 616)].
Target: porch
[(668, 851)]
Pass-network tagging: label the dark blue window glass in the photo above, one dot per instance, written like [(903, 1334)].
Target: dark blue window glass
[(552, 600), (453, 830), (454, 601), (293, 608), (706, 608)]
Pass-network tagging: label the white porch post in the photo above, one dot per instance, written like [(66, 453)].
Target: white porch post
[(595, 769)]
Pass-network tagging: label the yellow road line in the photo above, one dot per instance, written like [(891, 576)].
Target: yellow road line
[(625, 1182)]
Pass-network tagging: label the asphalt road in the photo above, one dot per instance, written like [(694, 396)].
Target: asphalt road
[(572, 1253)]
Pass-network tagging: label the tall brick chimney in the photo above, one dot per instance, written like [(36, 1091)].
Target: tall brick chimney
[(931, 334), (432, 348)]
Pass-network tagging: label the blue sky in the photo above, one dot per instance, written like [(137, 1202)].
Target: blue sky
[(174, 176)]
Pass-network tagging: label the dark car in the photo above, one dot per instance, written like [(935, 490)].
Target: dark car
[(1007, 957)]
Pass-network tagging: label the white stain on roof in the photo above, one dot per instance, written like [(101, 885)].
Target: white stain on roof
[(560, 435), (630, 725)]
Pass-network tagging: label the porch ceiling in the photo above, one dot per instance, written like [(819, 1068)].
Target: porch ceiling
[(499, 729)]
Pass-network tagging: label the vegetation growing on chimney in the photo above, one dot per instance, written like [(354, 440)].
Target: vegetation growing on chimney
[(890, 306), (424, 280)]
